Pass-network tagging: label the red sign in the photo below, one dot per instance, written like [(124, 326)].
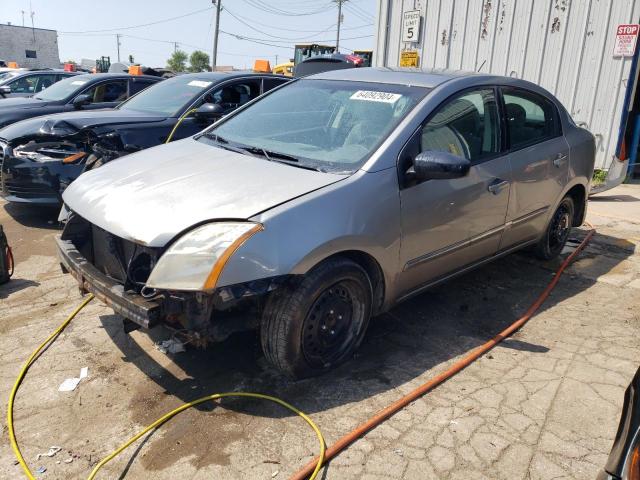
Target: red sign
[(626, 39)]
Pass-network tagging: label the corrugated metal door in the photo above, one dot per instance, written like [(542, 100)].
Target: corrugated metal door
[(565, 46)]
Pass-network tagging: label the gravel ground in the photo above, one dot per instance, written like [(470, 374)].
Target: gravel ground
[(544, 404)]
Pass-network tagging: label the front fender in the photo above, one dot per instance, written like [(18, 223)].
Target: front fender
[(361, 213)]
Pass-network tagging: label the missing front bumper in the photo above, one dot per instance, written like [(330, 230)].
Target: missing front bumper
[(145, 313)]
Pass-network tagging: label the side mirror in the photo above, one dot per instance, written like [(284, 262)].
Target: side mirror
[(5, 90), (209, 112), (435, 165), (81, 100)]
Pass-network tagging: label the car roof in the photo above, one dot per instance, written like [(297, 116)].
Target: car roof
[(215, 76), (104, 76), (428, 78), (44, 72)]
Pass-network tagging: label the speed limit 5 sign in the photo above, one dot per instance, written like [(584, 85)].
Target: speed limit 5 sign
[(411, 26)]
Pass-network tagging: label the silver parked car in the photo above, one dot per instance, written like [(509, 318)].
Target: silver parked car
[(327, 201)]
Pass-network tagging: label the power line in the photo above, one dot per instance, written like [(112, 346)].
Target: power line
[(361, 10), (329, 28), (276, 36), (356, 13), (244, 37), (277, 11), (144, 24)]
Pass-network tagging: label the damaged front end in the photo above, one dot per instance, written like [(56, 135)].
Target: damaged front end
[(117, 271), (38, 167)]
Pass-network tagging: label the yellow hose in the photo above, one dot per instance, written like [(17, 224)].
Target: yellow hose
[(23, 372), (156, 424), (175, 127)]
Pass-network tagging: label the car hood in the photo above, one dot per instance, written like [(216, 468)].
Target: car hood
[(151, 196), (73, 122)]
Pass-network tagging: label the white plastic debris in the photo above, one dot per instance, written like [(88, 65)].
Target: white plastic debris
[(275, 474), (52, 451), (170, 346), (69, 385), (68, 460)]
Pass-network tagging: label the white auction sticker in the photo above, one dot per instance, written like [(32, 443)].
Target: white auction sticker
[(78, 82), (370, 96), (199, 83)]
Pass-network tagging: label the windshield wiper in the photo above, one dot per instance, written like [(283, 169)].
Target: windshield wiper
[(215, 137), (279, 157), (270, 155)]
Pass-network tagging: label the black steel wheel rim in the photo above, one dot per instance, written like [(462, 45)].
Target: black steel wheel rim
[(559, 228), (332, 324)]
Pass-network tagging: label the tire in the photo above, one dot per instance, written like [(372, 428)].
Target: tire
[(317, 324), (557, 232)]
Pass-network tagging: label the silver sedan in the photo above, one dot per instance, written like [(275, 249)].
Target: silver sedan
[(326, 202)]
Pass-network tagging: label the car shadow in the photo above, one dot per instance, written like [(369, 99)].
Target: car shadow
[(613, 198), (34, 216), (15, 285), (415, 336)]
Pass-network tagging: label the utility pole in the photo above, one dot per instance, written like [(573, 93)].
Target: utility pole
[(339, 2), (118, 44), (22, 17), (214, 57), (175, 47)]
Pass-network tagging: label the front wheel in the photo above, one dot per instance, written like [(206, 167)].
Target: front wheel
[(314, 326), (557, 232)]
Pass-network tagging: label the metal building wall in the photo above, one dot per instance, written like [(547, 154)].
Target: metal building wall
[(564, 45)]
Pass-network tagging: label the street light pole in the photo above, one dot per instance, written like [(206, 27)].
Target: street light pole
[(214, 57)]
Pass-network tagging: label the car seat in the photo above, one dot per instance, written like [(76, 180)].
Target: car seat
[(517, 120), (370, 120)]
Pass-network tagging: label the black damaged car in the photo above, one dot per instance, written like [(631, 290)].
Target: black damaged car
[(79, 92), (40, 157)]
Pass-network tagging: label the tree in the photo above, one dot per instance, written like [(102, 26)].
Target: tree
[(199, 61), (178, 61)]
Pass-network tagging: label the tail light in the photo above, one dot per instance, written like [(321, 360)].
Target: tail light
[(634, 464)]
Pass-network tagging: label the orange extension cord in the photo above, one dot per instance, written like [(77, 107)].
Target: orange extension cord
[(471, 357)]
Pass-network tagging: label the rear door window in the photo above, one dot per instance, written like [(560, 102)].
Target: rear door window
[(530, 118), (234, 94), (32, 83), (107, 92), (137, 85), (269, 83)]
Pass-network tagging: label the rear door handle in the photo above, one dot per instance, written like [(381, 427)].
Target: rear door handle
[(559, 160), (497, 185)]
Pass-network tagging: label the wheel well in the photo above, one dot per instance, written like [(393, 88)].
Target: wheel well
[(578, 194), (372, 267)]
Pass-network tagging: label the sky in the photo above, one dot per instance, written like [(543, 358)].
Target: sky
[(268, 28)]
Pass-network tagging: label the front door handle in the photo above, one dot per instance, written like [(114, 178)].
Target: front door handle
[(559, 160), (497, 185)]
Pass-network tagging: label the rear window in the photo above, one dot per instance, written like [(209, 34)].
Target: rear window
[(531, 118)]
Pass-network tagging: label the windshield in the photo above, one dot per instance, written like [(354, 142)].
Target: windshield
[(64, 88), (168, 97), (328, 125)]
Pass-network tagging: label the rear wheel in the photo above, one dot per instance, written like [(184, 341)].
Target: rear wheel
[(318, 324), (557, 233)]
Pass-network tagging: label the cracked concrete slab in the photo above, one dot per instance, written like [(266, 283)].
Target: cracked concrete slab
[(543, 404)]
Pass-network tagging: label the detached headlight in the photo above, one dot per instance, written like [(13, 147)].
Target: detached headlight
[(196, 260)]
